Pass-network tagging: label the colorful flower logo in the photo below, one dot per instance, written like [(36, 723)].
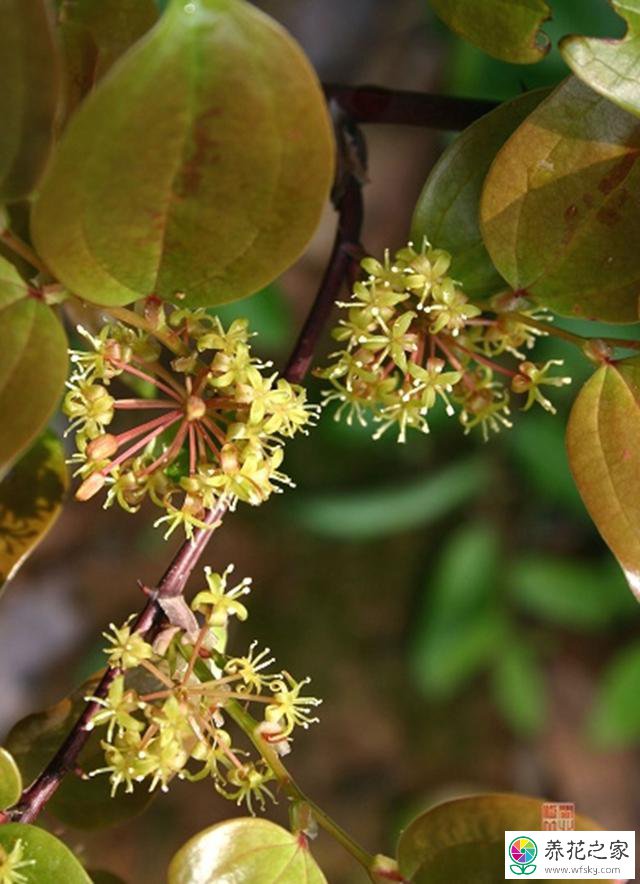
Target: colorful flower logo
[(523, 851)]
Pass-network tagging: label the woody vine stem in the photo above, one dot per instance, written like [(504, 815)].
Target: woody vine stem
[(349, 106)]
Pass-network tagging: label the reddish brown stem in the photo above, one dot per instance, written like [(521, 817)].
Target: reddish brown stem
[(35, 797), (489, 363), (143, 403), (375, 104), (168, 421), (130, 369), (343, 262)]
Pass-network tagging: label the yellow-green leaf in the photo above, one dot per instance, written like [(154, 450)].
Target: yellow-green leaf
[(197, 170), (46, 859), (113, 25), (560, 210), (30, 78), (462, 841), (81, 803), (94, 34), (506, 29), (33, 364), (611, 67), (448, 207), (604, 455), (245, 851), (10, 780), (31, 496)]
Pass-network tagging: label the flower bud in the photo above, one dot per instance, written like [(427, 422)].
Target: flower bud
[(521, 383), (229, 458), (102, 448), (271, 733), (385, 869), (435, 364), (90, 487)]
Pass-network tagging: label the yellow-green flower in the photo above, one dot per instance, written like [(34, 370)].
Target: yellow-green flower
[(219, 602), (128, 648), (411, 337), (217, 415), (12, 862), (531, 377)]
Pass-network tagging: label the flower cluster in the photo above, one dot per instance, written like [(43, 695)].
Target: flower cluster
[(411, 337), (214, 430), (167, 710), (12, 862)]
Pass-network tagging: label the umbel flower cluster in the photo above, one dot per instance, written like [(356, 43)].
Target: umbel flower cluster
[(411, 337), (166, 713), (213, 429), (12, 862)]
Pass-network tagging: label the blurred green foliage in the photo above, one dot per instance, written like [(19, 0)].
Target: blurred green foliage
[(615, 720), (461, 623)]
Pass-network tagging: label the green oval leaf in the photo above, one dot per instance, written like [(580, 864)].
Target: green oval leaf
[(33, 364), (611, 67), (602, 442), (457, 631), (578, 595), (519, 688), (560, 209), (46, 859), (10, 780), (614, 721), (505, 29), (30, 501), (447, 211), (245, 851), (112, 25), (463, 840), (30, 77), (81, 803), (94, 34), (197, 170)]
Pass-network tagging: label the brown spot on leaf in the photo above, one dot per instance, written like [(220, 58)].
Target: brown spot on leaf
[(588, 200), (608, 215), (618, 173), (203, 154), (621, 197), (571, 221)]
